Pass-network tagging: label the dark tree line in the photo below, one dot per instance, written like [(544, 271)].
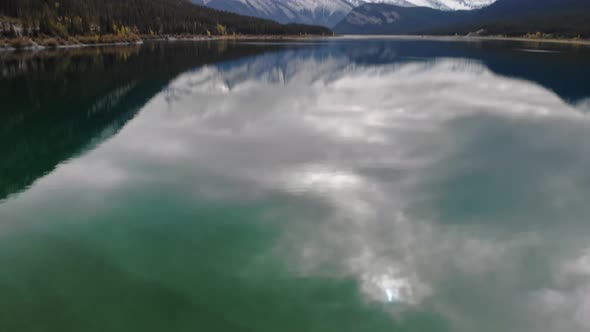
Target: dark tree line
[(78, 17), (559, 25), (570, 26)]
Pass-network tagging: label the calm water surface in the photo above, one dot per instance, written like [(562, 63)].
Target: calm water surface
[(341, 185)]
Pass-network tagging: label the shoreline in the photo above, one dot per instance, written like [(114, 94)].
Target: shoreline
[(470, 38), (36, 44), (540, 40)]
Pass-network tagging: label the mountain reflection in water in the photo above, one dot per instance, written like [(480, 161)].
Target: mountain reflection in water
[(59, 103)]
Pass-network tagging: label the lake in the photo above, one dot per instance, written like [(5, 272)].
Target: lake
[(372, 184)]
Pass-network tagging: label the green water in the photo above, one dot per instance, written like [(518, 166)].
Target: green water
[(334, 185)]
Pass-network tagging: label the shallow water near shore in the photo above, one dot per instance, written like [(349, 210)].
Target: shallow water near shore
[(320, 185)]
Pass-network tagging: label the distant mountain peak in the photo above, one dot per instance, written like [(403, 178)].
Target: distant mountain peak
[(437, 4), (325, 12)]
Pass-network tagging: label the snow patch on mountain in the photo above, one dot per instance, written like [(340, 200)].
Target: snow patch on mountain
[(453, 4), (325, 12)]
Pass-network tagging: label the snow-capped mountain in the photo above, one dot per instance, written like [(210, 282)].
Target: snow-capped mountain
[(317, 12), (446, 4), (324, 12)]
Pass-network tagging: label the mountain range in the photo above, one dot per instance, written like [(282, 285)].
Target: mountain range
[(123, 17), (325, 12), (559, 18)]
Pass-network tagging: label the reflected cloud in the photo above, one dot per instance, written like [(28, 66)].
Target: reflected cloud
[(435, 185), (385, 134), (319, 178), (583, 105)]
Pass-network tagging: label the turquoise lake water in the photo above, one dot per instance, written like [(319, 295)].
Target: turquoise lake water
[(321, 185)]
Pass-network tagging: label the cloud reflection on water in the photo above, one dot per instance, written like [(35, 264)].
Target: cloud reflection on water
[(421, 204), (372, 142)]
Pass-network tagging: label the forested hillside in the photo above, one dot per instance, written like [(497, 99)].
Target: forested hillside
[(550, 18), (81, 17)]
